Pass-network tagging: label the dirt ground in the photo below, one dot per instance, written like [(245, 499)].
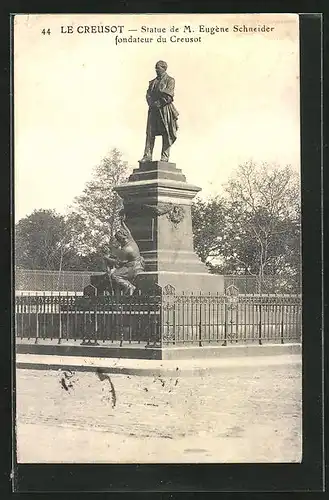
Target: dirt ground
[(240, 414)]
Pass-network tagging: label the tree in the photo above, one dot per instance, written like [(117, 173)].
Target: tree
[(95, 212), (254, 228), (263, 227), (43, 241), (208, 219), (77, 241)]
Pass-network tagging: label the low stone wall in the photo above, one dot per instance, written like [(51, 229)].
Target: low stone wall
[(135, 351)]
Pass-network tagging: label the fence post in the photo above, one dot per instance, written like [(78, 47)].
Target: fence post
[(96, 322), (37, 332), (237, 310), (60, 319), (175, 327), (51, 311), (161, 320), (281, 329), (225, 322), (260, 325), (121, 310), (67, 315), (20, 308), (29, 312), (200, 323), (157, 313)]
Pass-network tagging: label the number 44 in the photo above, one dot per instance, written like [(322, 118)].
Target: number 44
[(44, 31)]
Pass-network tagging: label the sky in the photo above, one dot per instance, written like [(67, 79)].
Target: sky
[(78, 95)]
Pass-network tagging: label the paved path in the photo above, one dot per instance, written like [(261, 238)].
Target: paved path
[(152, 367), (243, 413)]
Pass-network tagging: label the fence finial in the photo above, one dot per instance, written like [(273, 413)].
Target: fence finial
[(169, 289)]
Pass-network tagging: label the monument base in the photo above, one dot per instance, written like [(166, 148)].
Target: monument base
[(157, 203), (182, 281)]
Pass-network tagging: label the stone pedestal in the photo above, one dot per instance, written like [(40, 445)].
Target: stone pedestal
[(157, 201)]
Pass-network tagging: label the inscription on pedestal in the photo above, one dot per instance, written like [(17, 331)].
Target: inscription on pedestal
[(142, 228)]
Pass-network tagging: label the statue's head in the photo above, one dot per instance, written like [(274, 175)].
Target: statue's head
[(123, 236), (161, 67)]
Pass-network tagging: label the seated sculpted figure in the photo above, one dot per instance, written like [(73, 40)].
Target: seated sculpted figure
[(123, 268)]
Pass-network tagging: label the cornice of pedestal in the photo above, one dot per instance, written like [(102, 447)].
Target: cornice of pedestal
[(156, 170), (157, 165), (156, 189)]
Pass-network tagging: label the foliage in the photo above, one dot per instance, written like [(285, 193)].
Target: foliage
[(95, 211), (258, 231), (77, 241), (43, 241), (209, 227)]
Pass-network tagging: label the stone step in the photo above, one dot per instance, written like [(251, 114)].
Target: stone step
[(158, 165), (139, 175)]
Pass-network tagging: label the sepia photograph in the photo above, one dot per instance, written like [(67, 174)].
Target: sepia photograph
[(157, 236)]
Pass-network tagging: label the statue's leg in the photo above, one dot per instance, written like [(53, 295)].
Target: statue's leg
[(149, 146), (122, 282), (165, 148)]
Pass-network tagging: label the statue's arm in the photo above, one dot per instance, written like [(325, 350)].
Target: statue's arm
[(126, 228), (170, 87), (148, 99), (165, 99), (148, 95), (110, 261), (167, 96), (120, 259), (153, 104)]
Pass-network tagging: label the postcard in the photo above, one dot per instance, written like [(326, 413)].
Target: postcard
[(157, 238)]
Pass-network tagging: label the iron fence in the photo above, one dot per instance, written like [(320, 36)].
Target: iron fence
[(160, 320), (43, 280), (75, 281), (270, 284)]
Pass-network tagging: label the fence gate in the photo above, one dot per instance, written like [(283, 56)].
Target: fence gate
[(232, 313)]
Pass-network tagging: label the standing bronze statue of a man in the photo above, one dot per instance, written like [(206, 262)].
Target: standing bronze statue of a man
[(162, 114)]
